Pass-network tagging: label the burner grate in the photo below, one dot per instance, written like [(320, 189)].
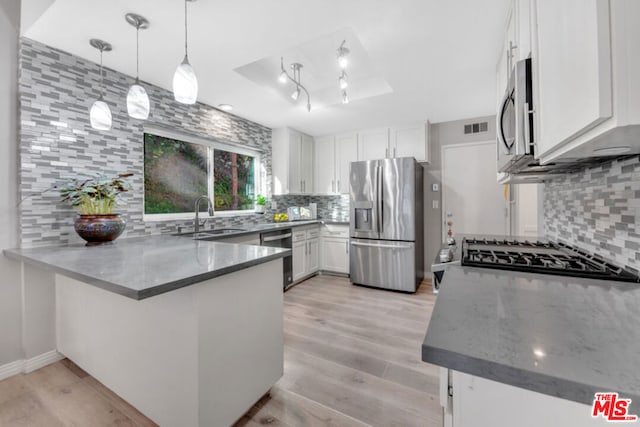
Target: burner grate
[(541, 257)]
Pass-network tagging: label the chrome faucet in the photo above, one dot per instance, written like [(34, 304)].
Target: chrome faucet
[(197, 226)]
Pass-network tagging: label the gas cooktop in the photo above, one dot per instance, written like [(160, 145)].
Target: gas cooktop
[(540, 257)]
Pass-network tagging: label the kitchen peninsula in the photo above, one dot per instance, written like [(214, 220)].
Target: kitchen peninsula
[(189, 332)]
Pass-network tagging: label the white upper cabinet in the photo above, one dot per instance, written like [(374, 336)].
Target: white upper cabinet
[(574, 69), (325, 158), (410, 141), (373, 144), (292, 162), (585, 67), (333, 156), (346, 152)]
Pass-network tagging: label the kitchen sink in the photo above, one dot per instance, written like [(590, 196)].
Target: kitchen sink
[(211, 233)]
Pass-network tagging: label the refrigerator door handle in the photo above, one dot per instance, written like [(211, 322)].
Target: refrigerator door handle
[(379, 194), (379, 245)]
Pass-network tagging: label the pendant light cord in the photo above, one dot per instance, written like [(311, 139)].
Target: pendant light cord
[(101, 77), (137, 53), (185, 29)]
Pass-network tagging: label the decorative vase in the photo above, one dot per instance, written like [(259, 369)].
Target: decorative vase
[(99, 229), (260, 209)]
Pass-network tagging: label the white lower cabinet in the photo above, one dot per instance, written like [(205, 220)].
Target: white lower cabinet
[(334, 252), (471, 401), (305, 248), (299, 259)]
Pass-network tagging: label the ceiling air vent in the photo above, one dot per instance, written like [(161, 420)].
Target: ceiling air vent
[(476, 127)]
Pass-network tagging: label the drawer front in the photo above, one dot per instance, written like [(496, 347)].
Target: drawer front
[(299, 236), (312, 234), (335, 231)]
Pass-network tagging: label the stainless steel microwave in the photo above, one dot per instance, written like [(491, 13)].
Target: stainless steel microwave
[(514, 128)]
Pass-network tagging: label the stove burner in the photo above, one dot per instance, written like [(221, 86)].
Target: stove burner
[(541, 257)]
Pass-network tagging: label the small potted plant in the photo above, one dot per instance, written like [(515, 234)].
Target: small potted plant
[(95, 199), (261, 204)]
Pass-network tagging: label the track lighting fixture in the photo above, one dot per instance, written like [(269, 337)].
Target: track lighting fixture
[(342, 80), (284, 76), (343, 53)]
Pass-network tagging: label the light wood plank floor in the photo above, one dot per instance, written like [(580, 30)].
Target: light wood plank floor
[(352, 358)]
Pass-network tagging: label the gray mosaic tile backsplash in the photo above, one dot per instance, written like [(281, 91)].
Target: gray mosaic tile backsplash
[(598, 210), (57, 143), (330, 208)]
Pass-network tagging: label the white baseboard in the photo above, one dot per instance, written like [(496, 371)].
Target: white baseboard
[(41, 360), (11, 369), (29, 365)]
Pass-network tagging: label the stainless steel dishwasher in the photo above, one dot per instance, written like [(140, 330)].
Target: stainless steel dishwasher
[(281, 239)]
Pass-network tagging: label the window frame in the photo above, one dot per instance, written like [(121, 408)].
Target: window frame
[(212, 145)]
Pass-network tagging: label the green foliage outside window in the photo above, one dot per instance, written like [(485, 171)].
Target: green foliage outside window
[(177, 172)]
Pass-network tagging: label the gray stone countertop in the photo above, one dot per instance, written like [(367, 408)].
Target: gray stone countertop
[(561, 336), (143, 267), (261, 228)]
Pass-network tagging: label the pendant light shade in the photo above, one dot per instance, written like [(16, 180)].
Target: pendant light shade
[(100, 114), (138, 105), (185, 82)]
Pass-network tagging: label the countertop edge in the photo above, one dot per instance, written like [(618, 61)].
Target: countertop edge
[(528, 380), (149, 292)]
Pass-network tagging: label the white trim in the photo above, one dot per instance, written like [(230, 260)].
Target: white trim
[(29, 365), (11, 369), (212, 144), (41, 361)]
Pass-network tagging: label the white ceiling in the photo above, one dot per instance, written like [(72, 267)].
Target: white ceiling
[(437, 57)]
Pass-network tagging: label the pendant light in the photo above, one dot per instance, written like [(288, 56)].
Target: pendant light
[(185, 83), (100, 114), (138, 105)]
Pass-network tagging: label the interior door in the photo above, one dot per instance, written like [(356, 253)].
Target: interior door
[(471, 197)]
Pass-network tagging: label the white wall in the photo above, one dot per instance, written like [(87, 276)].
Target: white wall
[(10, 292)]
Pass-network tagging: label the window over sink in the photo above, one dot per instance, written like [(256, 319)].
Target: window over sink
[(177, 170)]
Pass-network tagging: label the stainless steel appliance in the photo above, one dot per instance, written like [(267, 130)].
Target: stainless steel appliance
[(281, 239), (386, 224), (514, 127), (540, 257)]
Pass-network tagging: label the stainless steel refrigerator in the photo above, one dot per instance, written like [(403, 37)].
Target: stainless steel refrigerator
[(386, 224)]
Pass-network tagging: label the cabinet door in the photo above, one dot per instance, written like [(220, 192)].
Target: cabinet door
[(295, 149), (474, 404), (325, 165), (306, 163), (409, 141), (373, 144), (299, 261), (346, 152), (574, 69), (335, 255), (313, 256)]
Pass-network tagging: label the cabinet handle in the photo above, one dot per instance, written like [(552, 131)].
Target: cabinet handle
[(333, 188), (386, 153), (301, 186), (346, 244), (394, 152), (338, 187)]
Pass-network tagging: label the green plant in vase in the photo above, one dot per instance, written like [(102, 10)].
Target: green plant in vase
[(95, 199), (261, 203)]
